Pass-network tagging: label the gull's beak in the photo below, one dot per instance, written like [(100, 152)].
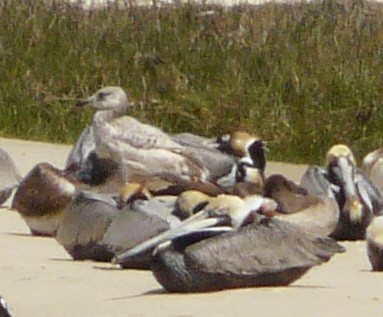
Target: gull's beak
[(84, 102), (195, 223)]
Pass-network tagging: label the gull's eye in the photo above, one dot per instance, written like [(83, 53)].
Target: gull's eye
[(102, 95)]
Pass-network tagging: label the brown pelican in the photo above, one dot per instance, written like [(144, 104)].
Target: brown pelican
[(373, 166), (93, 227), (4, 309), (145, 152), (358, 198), (318, 215), (9, 176), (42, 197), (243, 251), (374, 238)]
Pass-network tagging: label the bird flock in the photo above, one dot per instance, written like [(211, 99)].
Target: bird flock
[(200, 213)]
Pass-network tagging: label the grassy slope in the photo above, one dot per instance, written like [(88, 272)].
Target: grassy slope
[(303, 76)]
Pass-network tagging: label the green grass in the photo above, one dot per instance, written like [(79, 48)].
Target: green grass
[(302, 76)]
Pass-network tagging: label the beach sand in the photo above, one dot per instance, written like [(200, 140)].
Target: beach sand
[(38, 278)]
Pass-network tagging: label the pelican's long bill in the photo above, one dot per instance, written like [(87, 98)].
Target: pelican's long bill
[(195, 223)]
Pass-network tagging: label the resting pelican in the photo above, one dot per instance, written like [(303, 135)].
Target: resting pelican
[(374, 237), (95, 227), (9, 176), (145, 152), (315, 214), (42, 197), (358, 198), (245, 250), (373, 166)]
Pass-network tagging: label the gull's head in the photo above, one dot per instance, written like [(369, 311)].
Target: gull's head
[(108, 98)]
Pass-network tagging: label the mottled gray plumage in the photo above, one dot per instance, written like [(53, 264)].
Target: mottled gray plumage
[(145, 152)]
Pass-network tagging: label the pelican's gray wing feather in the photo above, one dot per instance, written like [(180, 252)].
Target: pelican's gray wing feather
[(80, 152), (315, 181), (84, 225), (130, 229), (267, 247), (369, 193)]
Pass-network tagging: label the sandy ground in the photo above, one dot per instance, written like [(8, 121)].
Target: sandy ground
[(38, 278)]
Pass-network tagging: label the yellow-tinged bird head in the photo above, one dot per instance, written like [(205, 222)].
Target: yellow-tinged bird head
[(340, 150), (130, 192)]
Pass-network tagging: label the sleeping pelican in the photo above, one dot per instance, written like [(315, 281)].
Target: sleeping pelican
[(245, 250), (42, 197), (9, 176), (96, 227), (145, 152), (316, 214)]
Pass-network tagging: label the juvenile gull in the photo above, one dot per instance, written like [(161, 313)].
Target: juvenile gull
[(147, 153)]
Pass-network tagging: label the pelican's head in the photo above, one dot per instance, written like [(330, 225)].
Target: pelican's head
[(237, 142), (340, 150), (244, 144), (190, 202), (222, 213), (108, 98), (277, 183), (130, 192)]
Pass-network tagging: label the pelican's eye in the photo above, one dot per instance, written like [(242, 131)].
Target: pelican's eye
[(242, 171), (102, 95)]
